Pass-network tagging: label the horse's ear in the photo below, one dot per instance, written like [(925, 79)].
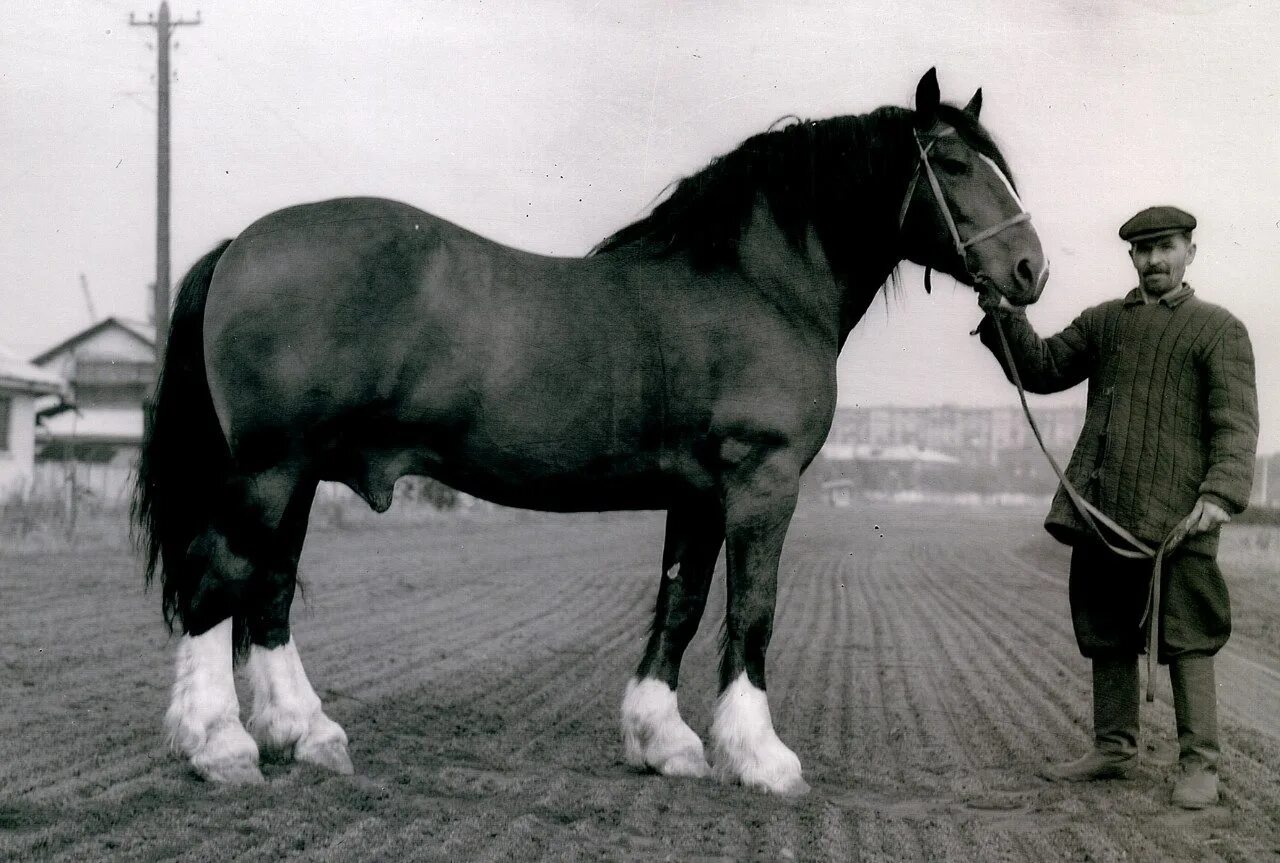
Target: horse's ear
[(927, 98), (975, 104)]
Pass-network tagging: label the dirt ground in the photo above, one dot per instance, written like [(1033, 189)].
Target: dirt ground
[(922, 668)]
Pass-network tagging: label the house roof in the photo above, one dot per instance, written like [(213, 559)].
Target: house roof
[(114, 425), (17, 375), (144, 333)]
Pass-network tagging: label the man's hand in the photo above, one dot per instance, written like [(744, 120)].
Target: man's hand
[(1203, 518)]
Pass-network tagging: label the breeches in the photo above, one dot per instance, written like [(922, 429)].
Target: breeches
[(1109, 593)]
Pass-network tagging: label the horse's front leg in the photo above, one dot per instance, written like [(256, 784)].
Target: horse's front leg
[(654, 734), (760, 498)]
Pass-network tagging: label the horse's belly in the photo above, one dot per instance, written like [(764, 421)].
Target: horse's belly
[(574, 494), (561, 477), (585, 467)]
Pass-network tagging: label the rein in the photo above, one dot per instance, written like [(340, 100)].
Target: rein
[(1090, 513)]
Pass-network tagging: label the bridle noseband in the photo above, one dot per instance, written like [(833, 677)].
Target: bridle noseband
[(960, 245)]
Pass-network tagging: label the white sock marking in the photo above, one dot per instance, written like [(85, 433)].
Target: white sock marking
[(286, 709), (655, 736), (746, 749), (283, 700), (203, 719)]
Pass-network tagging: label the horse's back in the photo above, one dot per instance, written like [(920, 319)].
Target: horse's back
[(402, 339), (298, 297)]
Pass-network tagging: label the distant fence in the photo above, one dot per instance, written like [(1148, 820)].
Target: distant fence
[(94, 486), (88, 504)]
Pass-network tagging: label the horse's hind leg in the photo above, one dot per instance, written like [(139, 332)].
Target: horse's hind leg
[(221, 575), (654, 734), (204, 715), (287, 713)]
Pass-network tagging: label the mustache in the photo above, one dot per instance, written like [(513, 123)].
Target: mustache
[(1155, 271)]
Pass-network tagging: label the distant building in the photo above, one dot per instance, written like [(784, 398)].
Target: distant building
[(93, 436), (948, 448), (1266, 481), (21, 384)]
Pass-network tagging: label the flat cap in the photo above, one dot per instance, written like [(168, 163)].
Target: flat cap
[(1156, 222)]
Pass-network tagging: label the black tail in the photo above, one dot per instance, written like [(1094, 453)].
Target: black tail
[(185, 461)]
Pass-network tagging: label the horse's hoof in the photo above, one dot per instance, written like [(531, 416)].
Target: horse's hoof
[(236, 771), (691, 763), (746, 749), (329, 754), (795, 787), (654, 736), (785, 784), (227, 754), (772, 768)]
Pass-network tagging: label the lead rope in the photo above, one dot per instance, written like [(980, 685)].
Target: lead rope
[(1140, 551), (1151, 614)]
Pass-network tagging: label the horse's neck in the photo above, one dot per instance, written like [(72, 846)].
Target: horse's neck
[(796, 280), (860, 294), (802, 281)]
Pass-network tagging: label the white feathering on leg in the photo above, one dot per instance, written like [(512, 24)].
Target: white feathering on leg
[(746, 749), (655, 736), (288, 713), (283, 700), (203, 719)]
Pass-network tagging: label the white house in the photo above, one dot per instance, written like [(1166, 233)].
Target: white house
[(21, 383), (93, 436)]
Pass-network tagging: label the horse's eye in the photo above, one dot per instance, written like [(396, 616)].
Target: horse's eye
[(949, 165)]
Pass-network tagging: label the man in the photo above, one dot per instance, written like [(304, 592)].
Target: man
[(1168, 445)]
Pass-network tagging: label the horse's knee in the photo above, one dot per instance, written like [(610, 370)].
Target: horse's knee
[(242, 580), (223, 586), (267, 616)]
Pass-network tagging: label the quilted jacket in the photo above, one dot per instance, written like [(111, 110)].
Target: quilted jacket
[(1172, 411)]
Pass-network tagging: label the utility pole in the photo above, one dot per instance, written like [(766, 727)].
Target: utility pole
[(163, 25), (88, 299)]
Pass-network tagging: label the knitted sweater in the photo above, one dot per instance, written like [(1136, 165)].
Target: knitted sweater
[(1172, 410)]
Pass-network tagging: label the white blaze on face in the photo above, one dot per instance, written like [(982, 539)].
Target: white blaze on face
[(1008, 184), (1004, 179)]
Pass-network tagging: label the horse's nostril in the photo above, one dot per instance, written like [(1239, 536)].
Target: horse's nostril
[(1024, 273)]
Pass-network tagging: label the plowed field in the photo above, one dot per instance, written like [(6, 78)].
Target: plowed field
[(922, 668)]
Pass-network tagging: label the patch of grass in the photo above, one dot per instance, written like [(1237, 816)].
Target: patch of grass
[(1249, 555)]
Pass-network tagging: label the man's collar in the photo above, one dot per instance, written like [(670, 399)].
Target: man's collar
[(1172, 299)]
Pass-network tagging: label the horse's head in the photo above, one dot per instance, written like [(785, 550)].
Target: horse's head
[(961, 213)]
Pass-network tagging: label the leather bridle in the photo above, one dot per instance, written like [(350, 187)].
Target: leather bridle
[(961, 245)]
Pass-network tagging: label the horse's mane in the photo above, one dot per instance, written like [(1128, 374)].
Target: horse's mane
[(830, 174)]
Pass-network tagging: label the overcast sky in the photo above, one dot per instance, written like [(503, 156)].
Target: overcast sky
[(548, 125)]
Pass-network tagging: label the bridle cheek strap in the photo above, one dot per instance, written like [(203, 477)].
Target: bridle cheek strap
[(960, 245)]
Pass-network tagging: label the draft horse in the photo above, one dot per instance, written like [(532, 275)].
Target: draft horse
[(687, 364)]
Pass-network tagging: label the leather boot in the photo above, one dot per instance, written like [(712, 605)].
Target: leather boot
[(1195, 704), (1115, 726)]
